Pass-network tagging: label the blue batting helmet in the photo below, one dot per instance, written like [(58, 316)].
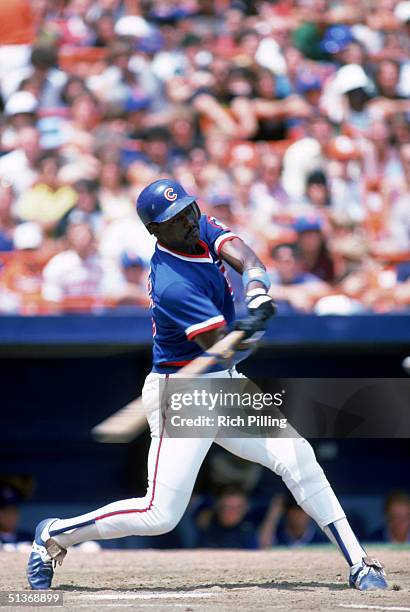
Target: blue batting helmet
[(162, 200)]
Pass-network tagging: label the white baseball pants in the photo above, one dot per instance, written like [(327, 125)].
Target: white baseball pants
[(173, 465)]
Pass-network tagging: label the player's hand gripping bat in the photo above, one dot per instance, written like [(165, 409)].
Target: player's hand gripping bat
[(127, 423)]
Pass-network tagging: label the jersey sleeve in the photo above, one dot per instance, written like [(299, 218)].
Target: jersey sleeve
[(190, 310), (217, 234)]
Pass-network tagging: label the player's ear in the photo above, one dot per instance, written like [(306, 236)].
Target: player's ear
[(151, 227)]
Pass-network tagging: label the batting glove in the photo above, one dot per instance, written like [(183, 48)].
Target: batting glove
[(261, 308)]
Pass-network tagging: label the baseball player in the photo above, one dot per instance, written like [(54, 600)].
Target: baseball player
[(192, 307)]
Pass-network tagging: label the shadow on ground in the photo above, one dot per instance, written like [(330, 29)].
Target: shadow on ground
[(279, 586)]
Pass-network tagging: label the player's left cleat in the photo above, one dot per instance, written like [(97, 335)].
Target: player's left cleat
[(44, 556), (368, 575)]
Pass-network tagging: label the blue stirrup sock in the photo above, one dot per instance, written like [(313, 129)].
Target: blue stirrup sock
[(341, 534)]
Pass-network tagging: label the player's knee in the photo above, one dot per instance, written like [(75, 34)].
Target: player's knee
[(155, 523), (302, 469), (296, 456), (164, 524)]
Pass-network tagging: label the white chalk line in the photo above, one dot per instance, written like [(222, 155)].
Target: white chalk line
[(102, 605), (368, 607), (134, 605), (132, 596)]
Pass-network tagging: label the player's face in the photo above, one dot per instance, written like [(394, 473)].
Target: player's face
[(181, 232)]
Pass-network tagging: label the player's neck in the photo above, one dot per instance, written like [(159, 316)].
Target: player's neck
[(189, 249)]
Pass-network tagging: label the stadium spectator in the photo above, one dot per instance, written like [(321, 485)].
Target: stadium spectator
[(114, 193), (308, 33), (286, 524), (84, 117), (317, 195), (185, 136), (20, 111), (346, 98), (126, 234), (105, 30), (85, 207), (226, 525), (47, 79), (382, 162), (19, 166), (220, 206), (396, 528), (48, 200), (7, 220), (313, 250), (117, 83), (339, 43), (306, 155), (12, 494), (135, 274), (346, 180), (156, 149), (291, 286), (73, 88), (78, 276), (269, 200), (268, 117), (22, 276), (387, 79), (368, 284), (73, 27)]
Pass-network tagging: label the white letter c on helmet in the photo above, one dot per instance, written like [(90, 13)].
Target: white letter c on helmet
[(170, 195)]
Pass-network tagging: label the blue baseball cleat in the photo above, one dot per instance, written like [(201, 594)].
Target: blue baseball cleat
[(368, 575), (44, 556)]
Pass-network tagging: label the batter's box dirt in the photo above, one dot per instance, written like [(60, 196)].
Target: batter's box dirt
[(307, 579)]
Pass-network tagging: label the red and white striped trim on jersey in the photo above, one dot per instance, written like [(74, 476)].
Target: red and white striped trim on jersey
[(205, 257), (200, 328), (222, 239)]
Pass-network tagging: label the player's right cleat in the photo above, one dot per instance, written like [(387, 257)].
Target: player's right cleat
[(368, 575), (44, 556)]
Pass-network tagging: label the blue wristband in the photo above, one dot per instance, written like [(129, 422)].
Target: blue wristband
[(256, 274)]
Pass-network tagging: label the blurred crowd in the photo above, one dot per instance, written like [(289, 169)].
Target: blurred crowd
[(288, 119)]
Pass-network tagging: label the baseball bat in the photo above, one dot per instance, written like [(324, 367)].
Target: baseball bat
[(126, 424)]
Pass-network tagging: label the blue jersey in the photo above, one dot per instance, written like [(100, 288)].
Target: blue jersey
[(189, 295)]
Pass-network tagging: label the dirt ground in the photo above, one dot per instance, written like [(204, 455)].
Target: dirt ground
[(309, 579)]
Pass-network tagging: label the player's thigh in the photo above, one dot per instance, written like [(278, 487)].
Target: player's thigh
[(286, 451), (282, 455), (172, 461), (175, 462)]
